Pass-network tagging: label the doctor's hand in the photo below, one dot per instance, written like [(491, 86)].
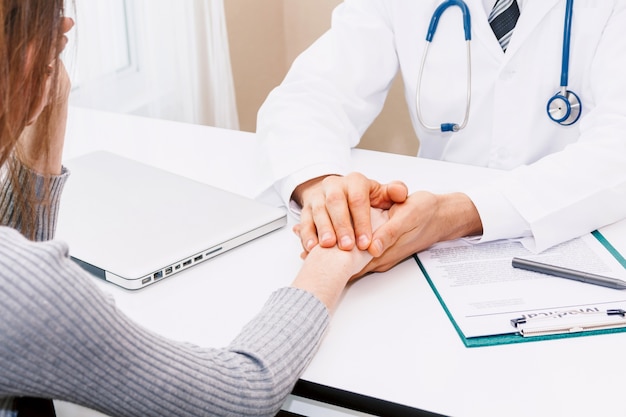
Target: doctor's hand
[(336, 210), (421, 221), (326, 271)]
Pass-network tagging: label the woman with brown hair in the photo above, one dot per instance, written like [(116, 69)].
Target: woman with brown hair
[(34, 88), (60, 337)]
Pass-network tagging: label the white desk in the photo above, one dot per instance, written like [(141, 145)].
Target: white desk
[(390, 345)]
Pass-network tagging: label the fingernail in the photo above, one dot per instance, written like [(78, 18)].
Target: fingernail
[(378, 247), (327, 237), (309, 245), (364, 241), (345, 242)]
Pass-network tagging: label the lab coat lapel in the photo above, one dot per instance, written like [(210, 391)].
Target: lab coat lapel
[(531, 16), (481, 31)]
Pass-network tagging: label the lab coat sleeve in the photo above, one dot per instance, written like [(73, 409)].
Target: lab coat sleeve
[(332, 93), (583, 187)]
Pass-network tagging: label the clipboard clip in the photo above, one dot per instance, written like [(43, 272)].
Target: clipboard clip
[(611, 319)]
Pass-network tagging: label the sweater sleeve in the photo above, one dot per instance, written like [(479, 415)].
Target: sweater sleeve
[(45, 199), (62, 338)]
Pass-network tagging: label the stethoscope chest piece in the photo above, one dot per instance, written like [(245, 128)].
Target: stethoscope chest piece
[(564, 107)]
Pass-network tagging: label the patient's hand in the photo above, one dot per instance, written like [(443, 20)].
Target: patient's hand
[(355, 259), (326, 271)]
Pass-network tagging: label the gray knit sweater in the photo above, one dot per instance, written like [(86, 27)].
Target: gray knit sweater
[(62, 338)]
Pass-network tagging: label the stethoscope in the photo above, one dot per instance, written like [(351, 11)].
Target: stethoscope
[(564, 107)]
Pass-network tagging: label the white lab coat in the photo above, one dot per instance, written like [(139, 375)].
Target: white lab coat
[(562, 181)]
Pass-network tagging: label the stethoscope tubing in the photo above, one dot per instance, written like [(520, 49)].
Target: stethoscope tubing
[(563, 108), (567, 36), (434, 21), (432, 28)]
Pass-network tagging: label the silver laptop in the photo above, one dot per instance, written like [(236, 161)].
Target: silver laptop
[(133, 224)]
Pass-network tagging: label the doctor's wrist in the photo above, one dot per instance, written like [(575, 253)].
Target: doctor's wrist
[(299, 192), (457, 216)]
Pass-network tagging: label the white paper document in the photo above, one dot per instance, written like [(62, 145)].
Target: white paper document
[(482, 292)]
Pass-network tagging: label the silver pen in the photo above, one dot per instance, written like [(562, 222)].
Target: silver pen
[(567, 273)]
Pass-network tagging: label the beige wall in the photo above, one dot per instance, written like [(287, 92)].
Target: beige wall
[(305, 21), (265, 36), (257, 53)]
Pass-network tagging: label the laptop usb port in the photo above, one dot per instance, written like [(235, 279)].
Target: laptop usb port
[(197, 258), (187, 262)]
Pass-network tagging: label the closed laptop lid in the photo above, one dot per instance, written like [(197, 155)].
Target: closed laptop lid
[(135, 224)]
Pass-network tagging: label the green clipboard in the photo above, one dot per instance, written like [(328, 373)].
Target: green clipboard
[(510, 338)]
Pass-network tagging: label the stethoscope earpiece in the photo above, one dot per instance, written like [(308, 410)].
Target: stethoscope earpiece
[(564, 108)]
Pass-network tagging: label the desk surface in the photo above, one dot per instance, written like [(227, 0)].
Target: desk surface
[(389, 340)]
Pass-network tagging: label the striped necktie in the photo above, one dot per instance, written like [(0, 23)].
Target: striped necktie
[(502, 20)]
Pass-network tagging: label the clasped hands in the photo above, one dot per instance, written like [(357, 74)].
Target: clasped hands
[(337, 210)]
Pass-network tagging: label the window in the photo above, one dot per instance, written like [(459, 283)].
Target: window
[(102, 58), (157, 58)]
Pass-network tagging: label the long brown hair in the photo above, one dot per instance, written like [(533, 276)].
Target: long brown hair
[(28, 45)]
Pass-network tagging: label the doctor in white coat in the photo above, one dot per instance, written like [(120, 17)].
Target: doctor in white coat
[(562, 181)]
